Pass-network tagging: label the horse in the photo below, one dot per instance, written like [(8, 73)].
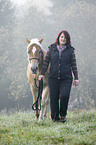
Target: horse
[(36, 56)]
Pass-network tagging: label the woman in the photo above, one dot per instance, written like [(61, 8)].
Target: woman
[(61, 57)]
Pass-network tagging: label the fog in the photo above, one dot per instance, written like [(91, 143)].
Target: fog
[(21, 19)]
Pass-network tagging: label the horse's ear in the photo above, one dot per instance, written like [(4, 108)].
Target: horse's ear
[(40, 41), (28, 41)]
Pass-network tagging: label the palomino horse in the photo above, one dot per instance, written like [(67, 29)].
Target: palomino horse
[(36, 55)]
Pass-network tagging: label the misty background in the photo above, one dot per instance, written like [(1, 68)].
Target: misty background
[(21, 19)]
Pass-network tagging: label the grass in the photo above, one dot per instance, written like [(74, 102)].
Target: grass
[(21, 128)]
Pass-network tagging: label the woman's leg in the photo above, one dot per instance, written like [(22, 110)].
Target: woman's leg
[(54, 98), (65, 88)]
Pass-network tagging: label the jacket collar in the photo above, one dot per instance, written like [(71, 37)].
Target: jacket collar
[(54, 47)]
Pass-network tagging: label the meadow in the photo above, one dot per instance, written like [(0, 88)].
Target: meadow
[(21, 128)]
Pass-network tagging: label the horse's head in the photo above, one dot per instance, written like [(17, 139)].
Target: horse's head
[(35, 54)]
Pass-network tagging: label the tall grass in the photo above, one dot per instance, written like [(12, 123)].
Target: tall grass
[(21, 128)]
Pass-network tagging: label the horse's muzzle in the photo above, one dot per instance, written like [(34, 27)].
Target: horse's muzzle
[(34, 70)]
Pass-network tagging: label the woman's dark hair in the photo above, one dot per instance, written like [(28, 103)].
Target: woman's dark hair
[(67, 36)]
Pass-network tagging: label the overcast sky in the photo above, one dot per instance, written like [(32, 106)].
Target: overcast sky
[(41, 5)]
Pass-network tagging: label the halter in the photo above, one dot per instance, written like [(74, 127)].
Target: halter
[(34, 58), (40, 52)]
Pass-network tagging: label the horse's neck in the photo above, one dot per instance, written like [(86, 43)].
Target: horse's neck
[(41, 63), (44, 54)]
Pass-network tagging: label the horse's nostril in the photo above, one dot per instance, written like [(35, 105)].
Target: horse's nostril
[(32, 69), (36, 68)]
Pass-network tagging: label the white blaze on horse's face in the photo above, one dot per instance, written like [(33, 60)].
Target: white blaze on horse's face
[(33, 50)]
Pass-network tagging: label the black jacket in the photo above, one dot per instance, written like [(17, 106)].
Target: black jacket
[(61, 65)]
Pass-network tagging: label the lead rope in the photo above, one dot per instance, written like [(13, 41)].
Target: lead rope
[(40, 89)]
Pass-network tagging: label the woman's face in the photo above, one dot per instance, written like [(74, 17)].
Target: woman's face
[(62, 39)]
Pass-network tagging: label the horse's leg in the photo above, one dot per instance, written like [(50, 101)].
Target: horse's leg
[(46, 106), (34, 94), (44, 102)]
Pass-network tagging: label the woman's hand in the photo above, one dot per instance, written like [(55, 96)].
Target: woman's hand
[(76, 83), (41, 77)]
